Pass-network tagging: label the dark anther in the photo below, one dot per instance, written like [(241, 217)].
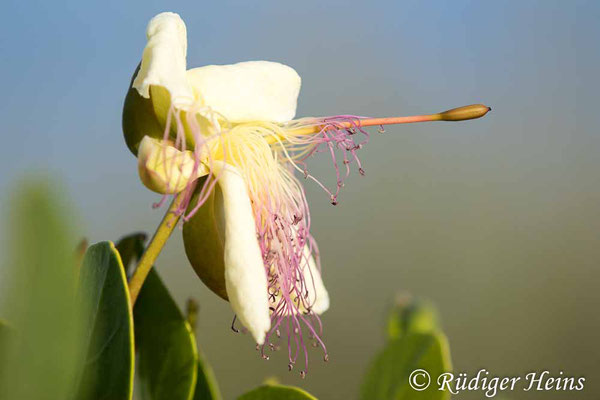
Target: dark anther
[(290, 366), (361, 171), (302, 374), (233, 328)]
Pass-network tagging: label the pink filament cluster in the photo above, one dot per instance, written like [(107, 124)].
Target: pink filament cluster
[(283, 239), (281, 213), (341, 136)]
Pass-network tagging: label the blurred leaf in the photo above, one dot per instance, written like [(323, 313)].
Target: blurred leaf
[(388, 376), (168, 359), (277, 392), (411, 315), (80, 253), (40, 297), (130, 248), (6, 332), (108, 368)]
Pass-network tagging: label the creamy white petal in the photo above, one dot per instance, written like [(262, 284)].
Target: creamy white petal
[(164, 59), (245, 276), (317, 293), (248, 91), (164, 169)]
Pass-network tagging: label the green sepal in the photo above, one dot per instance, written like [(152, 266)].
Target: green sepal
[(139, 118), (148, 117), (203, 238)]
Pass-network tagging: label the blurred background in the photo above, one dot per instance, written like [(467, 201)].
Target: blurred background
[(496, 220)]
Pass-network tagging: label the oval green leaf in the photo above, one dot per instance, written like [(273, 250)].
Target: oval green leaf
[(108, 368), (277, 392), (388, 376), (168, 360)]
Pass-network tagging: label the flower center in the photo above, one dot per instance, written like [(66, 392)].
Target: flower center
[(266, 155)]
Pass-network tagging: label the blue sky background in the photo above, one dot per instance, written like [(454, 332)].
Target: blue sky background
[(496, 220)]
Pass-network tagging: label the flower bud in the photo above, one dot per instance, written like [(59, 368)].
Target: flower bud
[(163, 168)]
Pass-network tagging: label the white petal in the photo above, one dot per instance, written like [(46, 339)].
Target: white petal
[(248, 91), (163, 61), (164, 169), (245, 276), (317, 293)]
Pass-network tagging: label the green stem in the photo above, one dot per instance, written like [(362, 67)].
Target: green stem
[(154, 248)]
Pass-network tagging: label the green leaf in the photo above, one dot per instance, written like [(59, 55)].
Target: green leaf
[(412, 315), (38, 296), (277, 392), (388, 376), (130, 248), (206, 384), (168, 359), (109, 364)]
